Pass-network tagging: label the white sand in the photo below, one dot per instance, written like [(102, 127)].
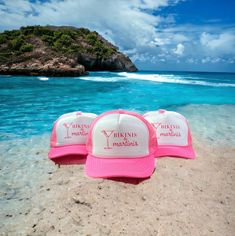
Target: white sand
[(183, 197)]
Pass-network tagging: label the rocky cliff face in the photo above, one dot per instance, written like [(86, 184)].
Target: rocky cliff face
[(58, 51), (115, 62)]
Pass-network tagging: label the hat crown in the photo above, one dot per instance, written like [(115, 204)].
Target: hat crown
[(121, 134), (171, 127), (72, 128)]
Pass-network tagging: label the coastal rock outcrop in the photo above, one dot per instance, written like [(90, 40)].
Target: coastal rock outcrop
[(53, 67), (58, 51), (116, 62)]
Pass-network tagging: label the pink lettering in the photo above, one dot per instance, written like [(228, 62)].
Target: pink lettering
[(125, 135), (171, 134), (169, 126), (125, 143)]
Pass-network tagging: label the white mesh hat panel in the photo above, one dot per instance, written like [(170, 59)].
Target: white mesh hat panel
[(171, 127), (72, 128), (120, 135)]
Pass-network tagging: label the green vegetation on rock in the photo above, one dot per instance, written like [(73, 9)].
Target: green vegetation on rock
[(3, 38), (28, 47), (62, 40)]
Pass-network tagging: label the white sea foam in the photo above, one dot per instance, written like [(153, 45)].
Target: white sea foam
[(168, 78), (43, 78), (171, 79), (103, 79)]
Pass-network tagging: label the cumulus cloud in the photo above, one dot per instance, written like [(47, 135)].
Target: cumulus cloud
[(222, 43), (179, 50), (131, 25)]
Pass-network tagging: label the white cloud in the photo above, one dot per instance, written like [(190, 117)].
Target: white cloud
[(179, 50), (221, 43), (231, 60), (205, 60), (214, 60), (191, 60)]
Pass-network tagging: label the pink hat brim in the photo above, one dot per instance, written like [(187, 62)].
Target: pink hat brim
[(176, 151), (67, 150), (120, 167)]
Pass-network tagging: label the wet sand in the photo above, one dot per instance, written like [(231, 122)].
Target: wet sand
[(183, 197)]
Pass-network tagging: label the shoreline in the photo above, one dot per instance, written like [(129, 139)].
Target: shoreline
[(190, 197)]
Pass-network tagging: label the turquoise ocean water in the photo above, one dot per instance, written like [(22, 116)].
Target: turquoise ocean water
[(30, 105)]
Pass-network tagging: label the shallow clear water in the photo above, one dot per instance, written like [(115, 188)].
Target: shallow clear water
[(30, 105)]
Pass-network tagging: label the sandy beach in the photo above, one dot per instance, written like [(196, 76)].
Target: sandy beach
[(183, 197)]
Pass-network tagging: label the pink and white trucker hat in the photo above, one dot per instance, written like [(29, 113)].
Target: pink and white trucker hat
[(68, 138), (120, 144), (173, 134)]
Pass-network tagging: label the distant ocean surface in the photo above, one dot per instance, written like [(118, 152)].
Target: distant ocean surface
[(30, 105)]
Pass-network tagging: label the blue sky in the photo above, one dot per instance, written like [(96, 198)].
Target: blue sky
[(191, 35), (203, 11)]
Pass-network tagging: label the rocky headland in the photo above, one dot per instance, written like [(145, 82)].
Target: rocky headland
[(58, 51)]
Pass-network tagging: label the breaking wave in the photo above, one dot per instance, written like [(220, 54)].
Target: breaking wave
[(172, 79), (43, 78), (168, 78)]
